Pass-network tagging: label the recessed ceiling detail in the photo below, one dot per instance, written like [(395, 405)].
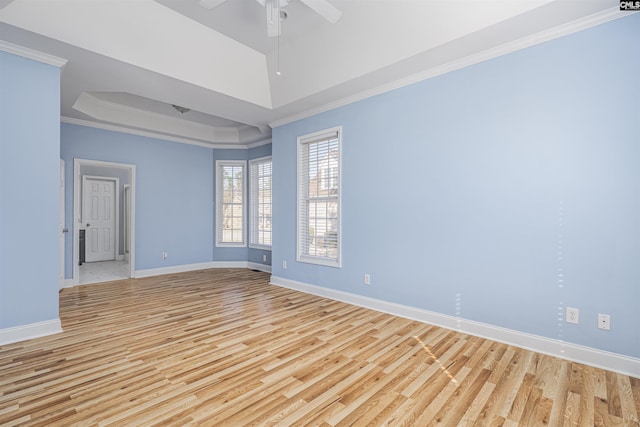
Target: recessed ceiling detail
[(127, 110), (151, 36), (130, 60)]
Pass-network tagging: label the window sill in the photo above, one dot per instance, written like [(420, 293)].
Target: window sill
[(231, 245), (261, 247), (327, 262)]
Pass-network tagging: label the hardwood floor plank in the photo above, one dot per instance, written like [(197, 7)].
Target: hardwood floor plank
[(223, 347), (587, 397), (560, 395), (436, 411), (472, 414), (508, 382), (629, 410), (522, 398), (533, 400)]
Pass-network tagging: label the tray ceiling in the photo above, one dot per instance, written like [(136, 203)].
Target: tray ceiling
[(130, 60)]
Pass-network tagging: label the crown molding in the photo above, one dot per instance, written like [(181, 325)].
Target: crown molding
[(98, 108), (149, 134), (525, 42), (33, 54), (259, 143)]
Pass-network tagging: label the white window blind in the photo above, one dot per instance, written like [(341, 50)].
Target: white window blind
[(260, 203), (319, 189), (230, 203)]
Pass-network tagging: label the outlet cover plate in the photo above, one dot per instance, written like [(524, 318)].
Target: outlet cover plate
[(573, 315), (604, 321)]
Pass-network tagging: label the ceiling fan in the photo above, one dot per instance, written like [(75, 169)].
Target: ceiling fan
[(321, 7)]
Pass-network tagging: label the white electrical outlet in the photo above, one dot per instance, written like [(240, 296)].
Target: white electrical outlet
[(573, 315), (264, 257), (284, 264), (165, 255), (604, 321), (367, 279)]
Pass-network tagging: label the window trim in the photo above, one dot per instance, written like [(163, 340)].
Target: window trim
[(219, 204), (302, 141), (253, 204)]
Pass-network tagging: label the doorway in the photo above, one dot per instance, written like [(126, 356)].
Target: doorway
[(100, 214), (105, 222)]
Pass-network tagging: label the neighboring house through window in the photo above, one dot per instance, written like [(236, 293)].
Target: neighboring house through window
[(260, 203), (230, 203), (319, 228), (328, 175)]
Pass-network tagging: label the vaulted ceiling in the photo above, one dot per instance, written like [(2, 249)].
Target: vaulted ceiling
[(130, 61)]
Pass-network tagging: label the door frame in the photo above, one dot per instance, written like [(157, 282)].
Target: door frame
[(126, 200), (77, 211), (62, 232), (116, 209)]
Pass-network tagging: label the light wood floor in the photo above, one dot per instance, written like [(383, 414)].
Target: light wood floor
[(223, 347)]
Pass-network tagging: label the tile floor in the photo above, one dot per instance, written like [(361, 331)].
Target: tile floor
[(104, 271)]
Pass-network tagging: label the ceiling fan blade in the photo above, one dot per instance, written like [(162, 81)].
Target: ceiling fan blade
[(210, 4), (324, 9)]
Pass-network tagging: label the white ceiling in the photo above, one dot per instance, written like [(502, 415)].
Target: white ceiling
[(129, 60)]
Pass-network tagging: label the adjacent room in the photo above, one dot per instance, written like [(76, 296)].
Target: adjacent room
[(319, 212)]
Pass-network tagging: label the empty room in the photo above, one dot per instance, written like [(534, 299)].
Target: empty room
[(319, 213)]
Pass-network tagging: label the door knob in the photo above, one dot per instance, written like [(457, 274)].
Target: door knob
[(88, 224), (65, 230)]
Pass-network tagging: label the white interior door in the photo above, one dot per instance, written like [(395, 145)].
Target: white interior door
[(61, 229), (99, 196)]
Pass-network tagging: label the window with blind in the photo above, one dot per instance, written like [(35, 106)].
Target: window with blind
[(319, 228), (260, 203), (230, 203)]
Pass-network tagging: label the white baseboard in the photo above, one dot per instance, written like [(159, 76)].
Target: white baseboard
[(229, 264), (30, 331), (189, 267), (577, 353), (69, 283), (259, 267)]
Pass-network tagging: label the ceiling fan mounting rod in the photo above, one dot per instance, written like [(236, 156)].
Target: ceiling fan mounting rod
[(321, 7)]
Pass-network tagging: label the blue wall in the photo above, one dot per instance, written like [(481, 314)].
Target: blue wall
[(174, 192), (29, 192), (500, 193)]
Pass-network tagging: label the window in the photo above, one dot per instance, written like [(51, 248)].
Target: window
[(319, 158), (230, 203), (260, 203)]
